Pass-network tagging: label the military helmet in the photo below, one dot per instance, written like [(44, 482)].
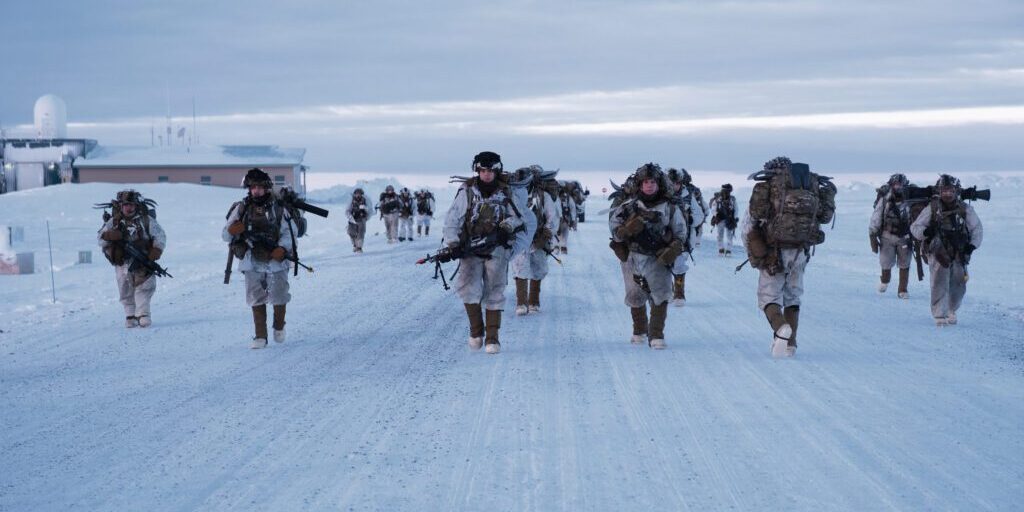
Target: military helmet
[(727, 187), (779, 163), (946, 180), (487, 160), (686, 179), (129, 196), (389, 188), (405, 190), (358, 191), (898, 178), (256, 176), (674, 175), (649, 171)]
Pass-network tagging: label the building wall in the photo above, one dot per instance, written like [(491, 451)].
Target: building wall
[(219, 176), (28, 164)]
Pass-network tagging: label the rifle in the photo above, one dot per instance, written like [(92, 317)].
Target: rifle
[(141, 259), (290, 198), (916, 245), (478, 246), (227, 268)]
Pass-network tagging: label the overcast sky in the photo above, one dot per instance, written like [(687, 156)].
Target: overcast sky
[(595, 85)]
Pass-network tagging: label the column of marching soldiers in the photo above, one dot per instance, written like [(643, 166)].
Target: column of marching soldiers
[(521, 220)]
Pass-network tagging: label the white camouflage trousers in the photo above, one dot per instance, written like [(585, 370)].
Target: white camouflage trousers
[(657, 276), (357, 232), (893, 250), (785, 287), (484, 281), (948, 287), (530, 264), (266, 287), (405, 227), (423, 220), (135, 289), (725, 236), (391, 225), (563, 235)]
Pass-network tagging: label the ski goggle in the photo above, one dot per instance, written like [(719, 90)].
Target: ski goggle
[(495, 167)]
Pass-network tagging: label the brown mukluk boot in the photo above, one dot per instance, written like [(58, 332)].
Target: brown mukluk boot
[(534, 298), (522, 290), (476, 325), (679, 290), (639, 324), (901, 292), (792, 314), (493, 325), (782, 332), (279, 323), (259, 319), (656, 332), (886, 277)]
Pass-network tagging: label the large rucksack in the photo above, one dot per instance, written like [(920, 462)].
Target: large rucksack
[(791, 205), (423, 203)]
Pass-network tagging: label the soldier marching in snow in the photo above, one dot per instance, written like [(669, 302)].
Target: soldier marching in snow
[(568, 218), (649, 233), (132, 240), (698, 227), (358, 212), (483, 227), (787, 205), (950, 232), (261, 232), (406, 212), (889, 234), (424, 211), (691, 208), (389, 205), (531, 266), (723, 206)]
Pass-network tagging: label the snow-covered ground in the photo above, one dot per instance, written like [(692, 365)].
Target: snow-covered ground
[(375, 403)]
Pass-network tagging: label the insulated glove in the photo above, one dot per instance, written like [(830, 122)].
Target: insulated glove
[(508, 225), (621, 250), (278, 254), (236, 228), (155, 253), (668, 255), (929, 231), (967, 253), (112, 235), (631, 227), (873, 239)]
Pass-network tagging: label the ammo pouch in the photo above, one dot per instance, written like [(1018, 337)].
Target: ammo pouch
[(114, 254), (485, 222), (757, 247), (239, 248), (261, 253)]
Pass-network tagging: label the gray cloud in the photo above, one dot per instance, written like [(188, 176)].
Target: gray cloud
[(448, 77)]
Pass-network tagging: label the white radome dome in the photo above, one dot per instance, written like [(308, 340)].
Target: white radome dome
[(51, 117)]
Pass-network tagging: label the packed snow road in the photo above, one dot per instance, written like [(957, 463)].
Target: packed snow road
[(375, 402)]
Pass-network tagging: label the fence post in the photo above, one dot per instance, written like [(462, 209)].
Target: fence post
[(53, 288)]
